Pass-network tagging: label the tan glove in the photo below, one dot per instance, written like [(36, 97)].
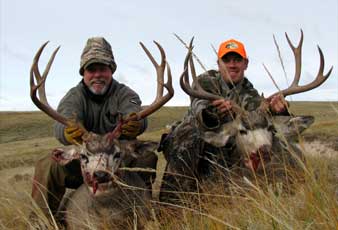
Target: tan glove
[(132, 128), (73, 134)]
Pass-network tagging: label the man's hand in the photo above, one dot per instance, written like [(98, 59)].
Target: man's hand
[(223, 106), (73, 134), (278, 104), (131, 128)]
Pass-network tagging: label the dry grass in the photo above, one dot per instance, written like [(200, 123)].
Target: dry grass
[(313, 205)]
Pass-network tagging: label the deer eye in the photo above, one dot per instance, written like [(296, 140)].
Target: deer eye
[(271, 128), (243, 132), (84, 158), (117, 155)]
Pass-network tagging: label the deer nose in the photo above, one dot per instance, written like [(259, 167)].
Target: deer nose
[(265, 151), (265, 148), (101, 176)]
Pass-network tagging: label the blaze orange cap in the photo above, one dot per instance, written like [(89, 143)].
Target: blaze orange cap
[(231, 46)]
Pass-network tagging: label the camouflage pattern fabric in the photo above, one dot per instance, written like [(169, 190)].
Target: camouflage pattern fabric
[(190, 158), (181, 148), (97, 50), (187, 154), (183, 151), (243, 93)]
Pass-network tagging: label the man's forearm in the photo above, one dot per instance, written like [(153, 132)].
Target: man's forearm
[(59, 133)]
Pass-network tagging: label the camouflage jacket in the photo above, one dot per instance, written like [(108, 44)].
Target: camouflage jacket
[(243, 93), (98, 114)]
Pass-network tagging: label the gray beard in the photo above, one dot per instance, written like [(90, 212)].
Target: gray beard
[(101, 92)]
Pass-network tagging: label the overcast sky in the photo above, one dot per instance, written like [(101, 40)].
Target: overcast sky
[(25, 25)]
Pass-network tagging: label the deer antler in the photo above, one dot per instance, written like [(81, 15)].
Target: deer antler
[(294, 88), (197, 91), (42, 102), (160, 100)]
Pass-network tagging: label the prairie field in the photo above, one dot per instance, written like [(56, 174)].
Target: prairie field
[(25, 136)]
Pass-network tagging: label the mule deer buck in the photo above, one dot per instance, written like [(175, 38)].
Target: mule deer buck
[(255, 141), (111, 196)]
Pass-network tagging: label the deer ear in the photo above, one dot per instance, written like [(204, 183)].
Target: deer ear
[(135, 148), (299, 123), (64, 155), (146, 146), (290, 127)]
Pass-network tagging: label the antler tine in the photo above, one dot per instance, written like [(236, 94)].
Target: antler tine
[(297, 51), (160, 100), (184, 79), (41, 102), (41, 90), (294, 88), (199, 92), (321, 67), (192, 69), (159, 68)]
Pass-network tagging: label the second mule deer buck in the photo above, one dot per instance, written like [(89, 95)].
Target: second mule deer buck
[(254, 140), (110, 196)]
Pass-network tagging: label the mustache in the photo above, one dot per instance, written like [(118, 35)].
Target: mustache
[(100, 81)]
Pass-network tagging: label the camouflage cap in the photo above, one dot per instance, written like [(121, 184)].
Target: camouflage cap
[(97, 50)]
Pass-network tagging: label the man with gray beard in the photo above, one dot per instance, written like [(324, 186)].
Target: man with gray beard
[(97, 103), (98, 100)]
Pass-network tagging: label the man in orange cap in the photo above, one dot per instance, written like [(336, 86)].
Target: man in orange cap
[(186, 147), (232, 86)]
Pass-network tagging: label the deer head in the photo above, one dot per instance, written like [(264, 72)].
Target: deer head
[(101, 156), (101, 161), (254, 131)]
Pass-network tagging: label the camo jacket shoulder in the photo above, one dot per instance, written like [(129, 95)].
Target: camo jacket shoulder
[(247, 96), (210, 81)]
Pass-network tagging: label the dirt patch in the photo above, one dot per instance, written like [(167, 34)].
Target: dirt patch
[(319, 148), (17, 174), (327, 140), (17, 182)]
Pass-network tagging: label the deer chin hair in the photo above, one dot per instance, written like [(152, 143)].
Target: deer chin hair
[(100, 188)]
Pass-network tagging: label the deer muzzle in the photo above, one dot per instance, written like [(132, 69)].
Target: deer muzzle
[(255, 158)]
